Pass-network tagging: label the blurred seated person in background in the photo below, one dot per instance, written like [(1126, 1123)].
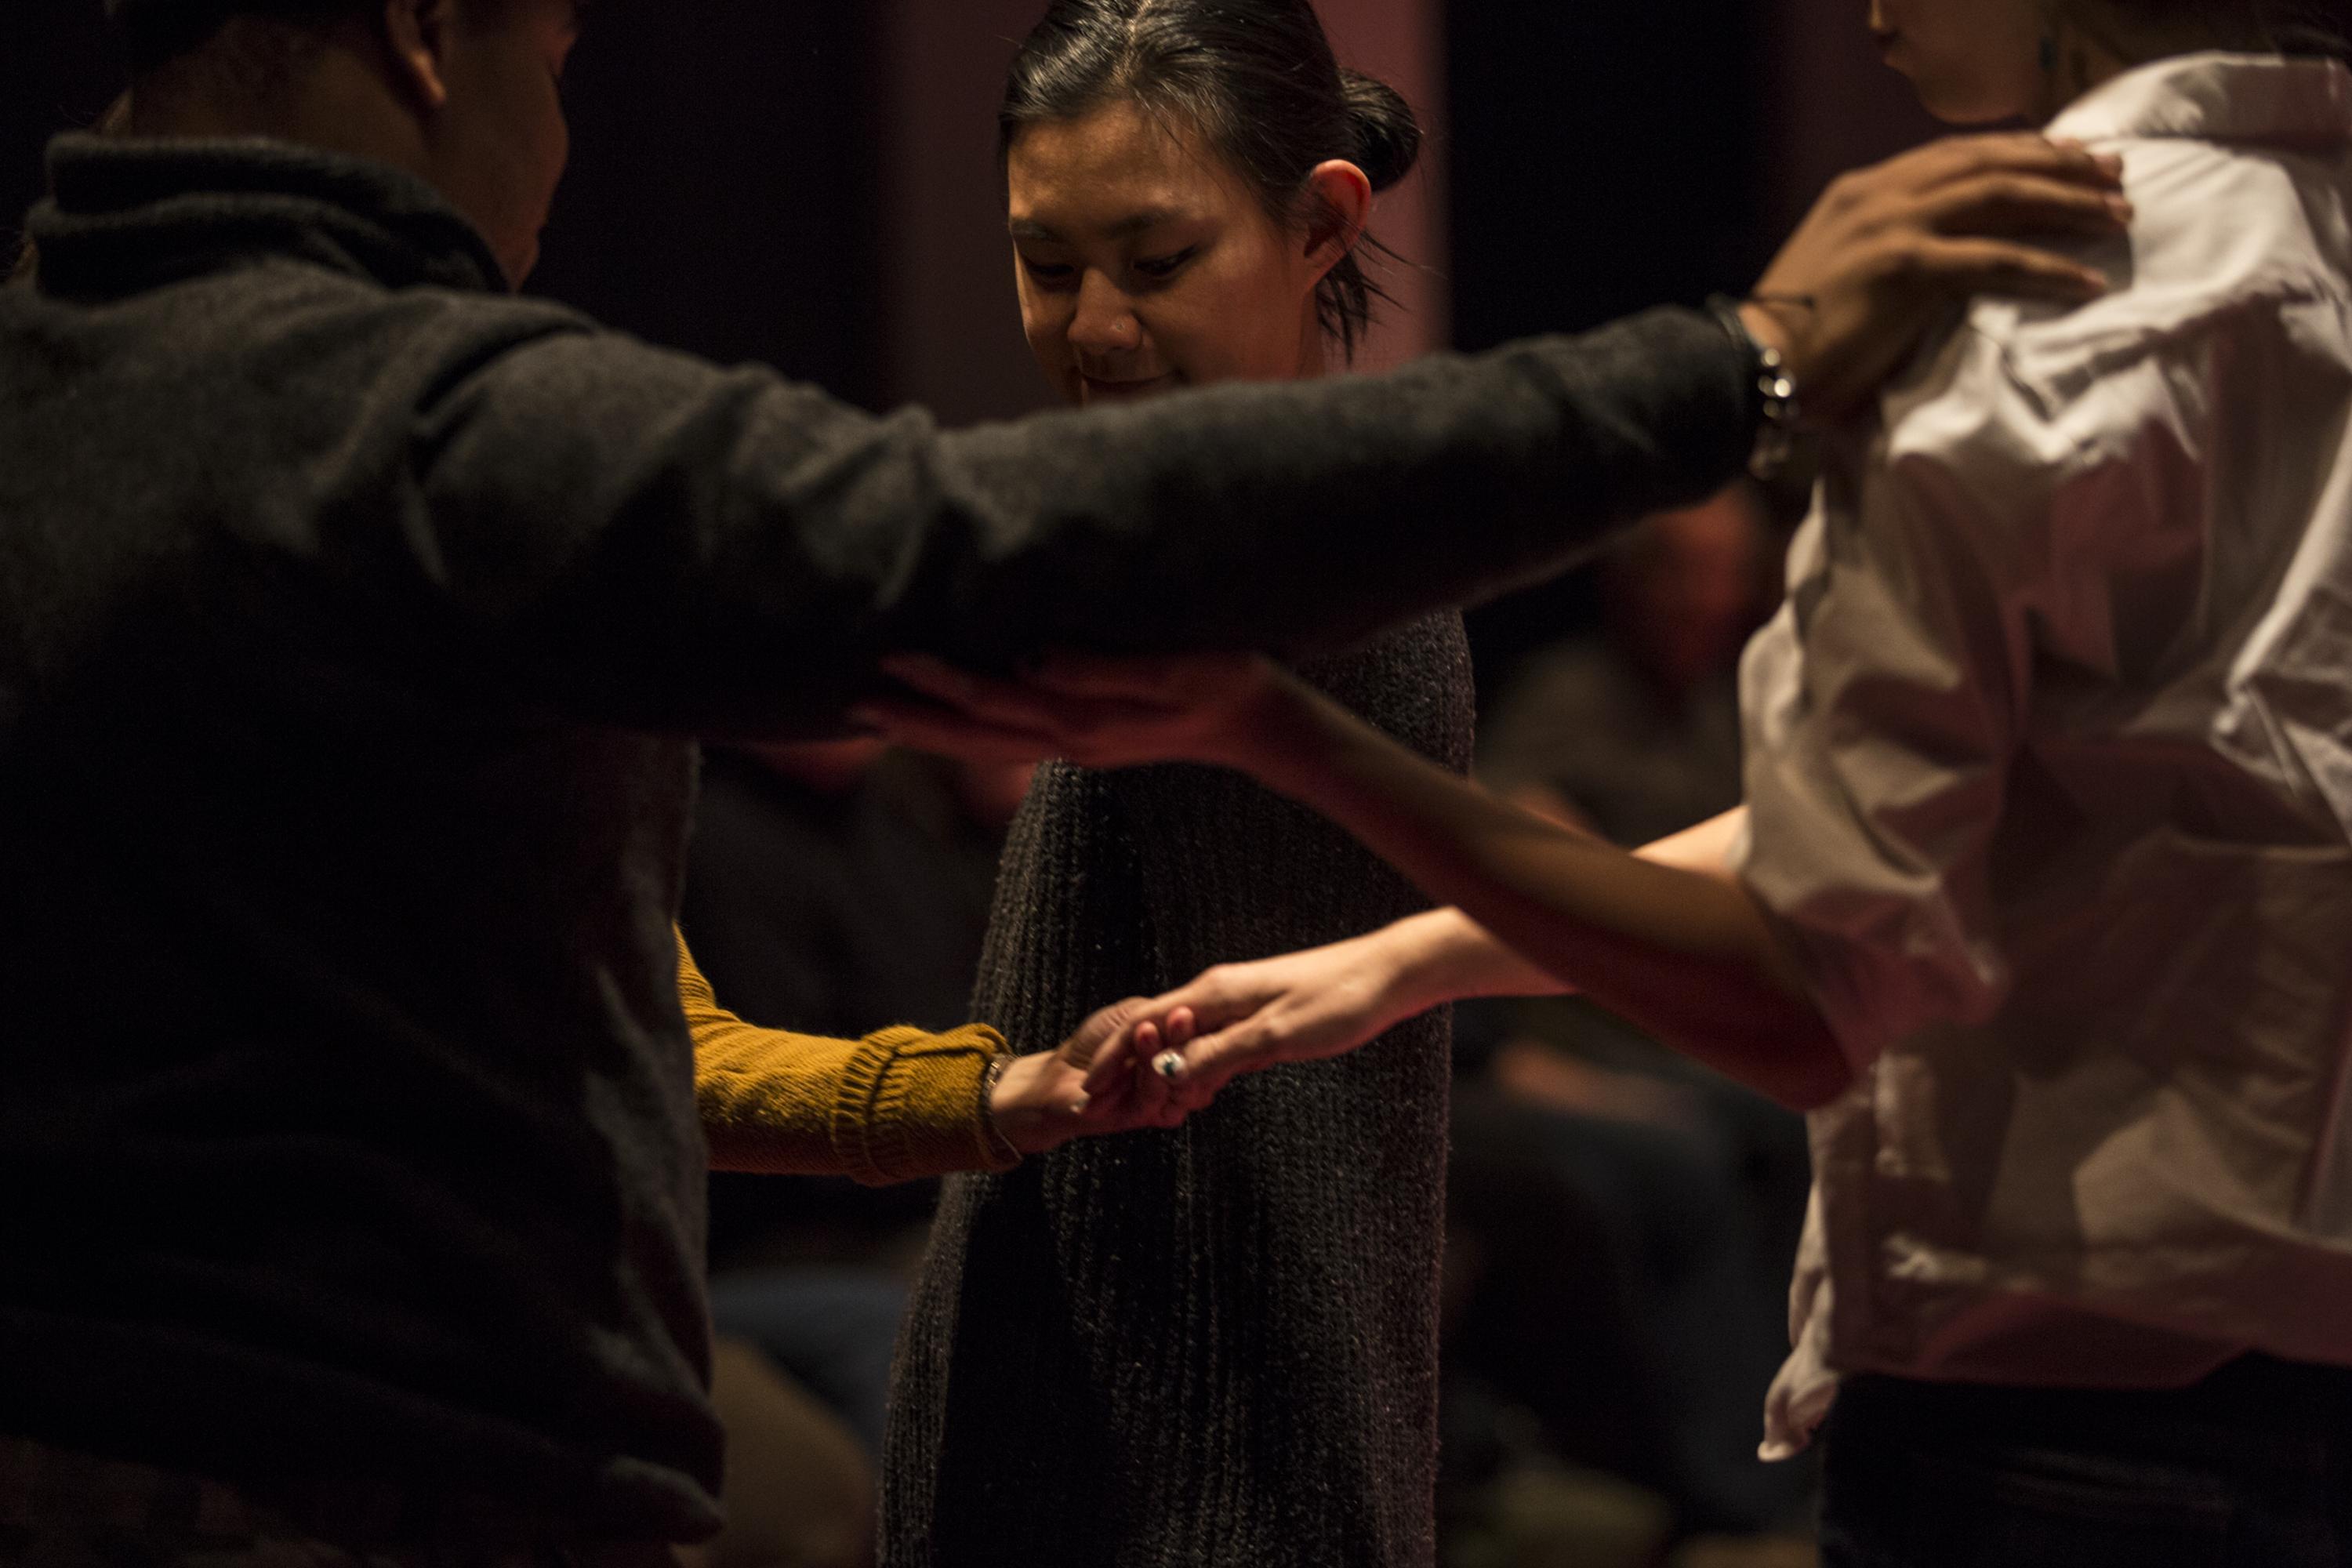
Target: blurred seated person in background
[(1597, 1179), (1632, 730)]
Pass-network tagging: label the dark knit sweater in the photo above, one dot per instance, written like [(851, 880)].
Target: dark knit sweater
[(356, 622), (1215, 1347)]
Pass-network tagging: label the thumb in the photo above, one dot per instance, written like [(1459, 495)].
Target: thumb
[(1081, 1049)]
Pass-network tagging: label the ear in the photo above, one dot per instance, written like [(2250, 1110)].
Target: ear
[(1340, 200), (416, 30)]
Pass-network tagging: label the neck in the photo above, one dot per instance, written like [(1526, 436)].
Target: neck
[(1314, 348), (2091, 45), (256, 79)]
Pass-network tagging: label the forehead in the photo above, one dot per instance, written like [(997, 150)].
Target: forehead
[(1100, 171)]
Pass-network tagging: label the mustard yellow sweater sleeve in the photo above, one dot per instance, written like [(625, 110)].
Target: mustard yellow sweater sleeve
[(893, 1107)]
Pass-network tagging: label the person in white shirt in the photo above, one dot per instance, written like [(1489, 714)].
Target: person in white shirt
[(2041, 896)]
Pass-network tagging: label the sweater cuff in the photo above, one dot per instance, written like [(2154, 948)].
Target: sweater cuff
[(909, 1106)]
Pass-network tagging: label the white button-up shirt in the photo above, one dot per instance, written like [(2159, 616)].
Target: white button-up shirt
[(2050, 778)]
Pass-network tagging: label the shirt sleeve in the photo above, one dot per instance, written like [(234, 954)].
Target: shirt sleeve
[(1886, 702), (652, 540), (894, 1107)]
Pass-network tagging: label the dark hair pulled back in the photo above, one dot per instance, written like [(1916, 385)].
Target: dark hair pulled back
[(1257, 78)]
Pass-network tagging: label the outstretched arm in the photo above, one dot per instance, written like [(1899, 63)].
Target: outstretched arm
[(1687, 953), (1325, 1002), (903, 1103), (632, 535)]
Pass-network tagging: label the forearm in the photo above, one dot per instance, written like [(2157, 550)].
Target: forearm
[(1304, 515), (896, 1106), (667, 537), (1444, 955), (1684, 953)]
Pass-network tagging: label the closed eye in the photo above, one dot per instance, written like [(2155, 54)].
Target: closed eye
[(1049, 272), (1159, 269)]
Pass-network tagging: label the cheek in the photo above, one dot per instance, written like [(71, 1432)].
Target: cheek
[(1237, 321), (1975, 65), (1046, 325)]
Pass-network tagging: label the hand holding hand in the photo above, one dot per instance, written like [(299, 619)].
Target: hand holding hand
[(1886, 248), (1097, 711), (1302, 1007), (1089, 1087)]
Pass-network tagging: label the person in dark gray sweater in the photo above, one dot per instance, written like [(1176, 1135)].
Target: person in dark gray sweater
[(1241, 1365), (357, 621)]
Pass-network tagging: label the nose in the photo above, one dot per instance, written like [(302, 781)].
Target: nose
[(1104, 322)]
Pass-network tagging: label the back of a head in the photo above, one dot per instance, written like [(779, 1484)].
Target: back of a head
[(156, 32), (2308, 26), (1256, 77)]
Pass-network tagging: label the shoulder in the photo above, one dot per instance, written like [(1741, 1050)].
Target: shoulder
[(2228, 247)]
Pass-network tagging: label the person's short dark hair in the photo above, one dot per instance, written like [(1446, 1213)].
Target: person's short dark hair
[(156, 32), (2290, 27), (1257, 78)]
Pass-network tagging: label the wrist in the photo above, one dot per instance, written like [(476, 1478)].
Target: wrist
[(1000, 1115), (1280, 737), (1772, 399), (1767, 328), (1423, 963)]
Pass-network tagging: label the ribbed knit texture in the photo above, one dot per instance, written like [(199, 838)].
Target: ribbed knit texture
[(1214, 1346), (894, 1106)]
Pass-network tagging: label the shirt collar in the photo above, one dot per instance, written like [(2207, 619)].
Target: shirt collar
[(126, 214), (2219, 98)]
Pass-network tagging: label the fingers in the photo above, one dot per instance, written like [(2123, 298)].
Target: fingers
[(1969, 266), (1179, 681), (1102, 1034), (2023, 153), (1102, 677), (1211, 1063), (1155, 1097), (952, 734), (2010, 202), (1127, 1053), (1006, 705)]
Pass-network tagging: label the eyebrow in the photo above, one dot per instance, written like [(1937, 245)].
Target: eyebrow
[(1125, 228)]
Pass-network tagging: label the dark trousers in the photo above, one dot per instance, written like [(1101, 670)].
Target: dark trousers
[(2251, 1469)]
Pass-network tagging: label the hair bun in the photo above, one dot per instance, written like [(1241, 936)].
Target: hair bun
[(1388, 134)]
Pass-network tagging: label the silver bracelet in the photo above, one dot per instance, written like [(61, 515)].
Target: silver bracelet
[(990, 1075), (1778, 409)]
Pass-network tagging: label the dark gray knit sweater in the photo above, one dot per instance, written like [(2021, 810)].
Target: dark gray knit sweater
[(1216, 1345)]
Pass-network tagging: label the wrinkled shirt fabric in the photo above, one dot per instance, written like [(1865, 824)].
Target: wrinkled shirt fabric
[(2050, 774)]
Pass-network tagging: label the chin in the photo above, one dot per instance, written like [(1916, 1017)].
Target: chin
[(1965, 103), (1103, 394), (520, 263)]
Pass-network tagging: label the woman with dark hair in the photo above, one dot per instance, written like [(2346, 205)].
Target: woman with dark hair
[(2041, 893), (1217, 1345)]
